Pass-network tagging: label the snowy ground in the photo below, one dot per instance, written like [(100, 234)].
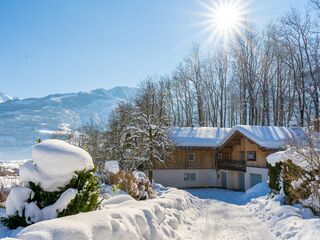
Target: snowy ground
[(214, 214), (233, 197), (237, 215), (225, 216), (228, 221)]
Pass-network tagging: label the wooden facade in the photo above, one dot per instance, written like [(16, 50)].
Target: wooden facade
[(240, 149), (232, 155), (203, 158)]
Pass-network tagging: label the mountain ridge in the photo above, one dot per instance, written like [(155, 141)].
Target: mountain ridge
[(24, 120)]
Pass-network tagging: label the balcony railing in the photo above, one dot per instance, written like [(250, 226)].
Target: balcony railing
[(233, 165)]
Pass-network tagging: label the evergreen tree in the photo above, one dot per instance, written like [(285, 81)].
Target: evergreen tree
[(87, 198)]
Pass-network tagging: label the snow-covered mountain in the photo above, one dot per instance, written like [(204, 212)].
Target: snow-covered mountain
[(4, 97), (22, 121)]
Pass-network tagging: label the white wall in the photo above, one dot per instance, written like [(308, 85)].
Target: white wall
[(262, 171), (206, 177), (175, 178), (232, 179)]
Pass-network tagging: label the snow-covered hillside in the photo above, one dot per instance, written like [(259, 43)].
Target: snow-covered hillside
[(22, 121)]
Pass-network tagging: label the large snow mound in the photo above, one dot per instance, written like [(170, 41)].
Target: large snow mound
[(158, 218), (56, 157), (54, 163), (299, 159), (284, 221), (258, 190)]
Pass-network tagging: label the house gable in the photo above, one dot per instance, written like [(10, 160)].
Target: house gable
[(239, 148), (267, 137)]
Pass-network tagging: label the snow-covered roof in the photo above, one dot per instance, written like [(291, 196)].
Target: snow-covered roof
[(265, 136), (269, 137), (198, 136)]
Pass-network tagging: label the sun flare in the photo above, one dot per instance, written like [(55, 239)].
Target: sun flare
[(224, 19)]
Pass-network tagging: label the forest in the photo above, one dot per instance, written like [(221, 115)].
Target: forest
[(268, 77)]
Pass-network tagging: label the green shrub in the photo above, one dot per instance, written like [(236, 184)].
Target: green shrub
[(275, 177), (15, 221), (87, 198)]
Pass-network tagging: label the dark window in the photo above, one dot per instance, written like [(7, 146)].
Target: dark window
[(219, 156), (191, 156), (251, 156), (242, 156), (190, 176), (255, 179)]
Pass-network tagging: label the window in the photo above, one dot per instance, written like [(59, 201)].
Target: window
[(251, 156), (191, 156), (255, 179), (219, 156), (242, 156), (190, 176)]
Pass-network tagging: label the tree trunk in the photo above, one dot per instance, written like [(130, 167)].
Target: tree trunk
[(150, 173)]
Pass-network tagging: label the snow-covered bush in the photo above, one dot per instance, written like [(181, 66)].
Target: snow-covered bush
[(60, 181), (300, 170), (111, 167), (136, 184), (295, 182), (139, 140)]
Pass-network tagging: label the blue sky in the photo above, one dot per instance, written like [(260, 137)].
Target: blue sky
[(77, 45)]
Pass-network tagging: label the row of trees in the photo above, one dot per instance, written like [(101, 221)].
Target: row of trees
[(270, 78)]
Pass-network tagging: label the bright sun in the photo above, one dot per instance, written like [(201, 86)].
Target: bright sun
[(224, 19)]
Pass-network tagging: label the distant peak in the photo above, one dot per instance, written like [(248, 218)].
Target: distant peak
[(123, 92), (99, 91), (4, 97)]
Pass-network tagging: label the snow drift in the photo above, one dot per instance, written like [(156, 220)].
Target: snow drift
[(285, 221), (123, 218)]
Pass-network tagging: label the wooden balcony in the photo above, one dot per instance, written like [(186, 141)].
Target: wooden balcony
[(233, 165)]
